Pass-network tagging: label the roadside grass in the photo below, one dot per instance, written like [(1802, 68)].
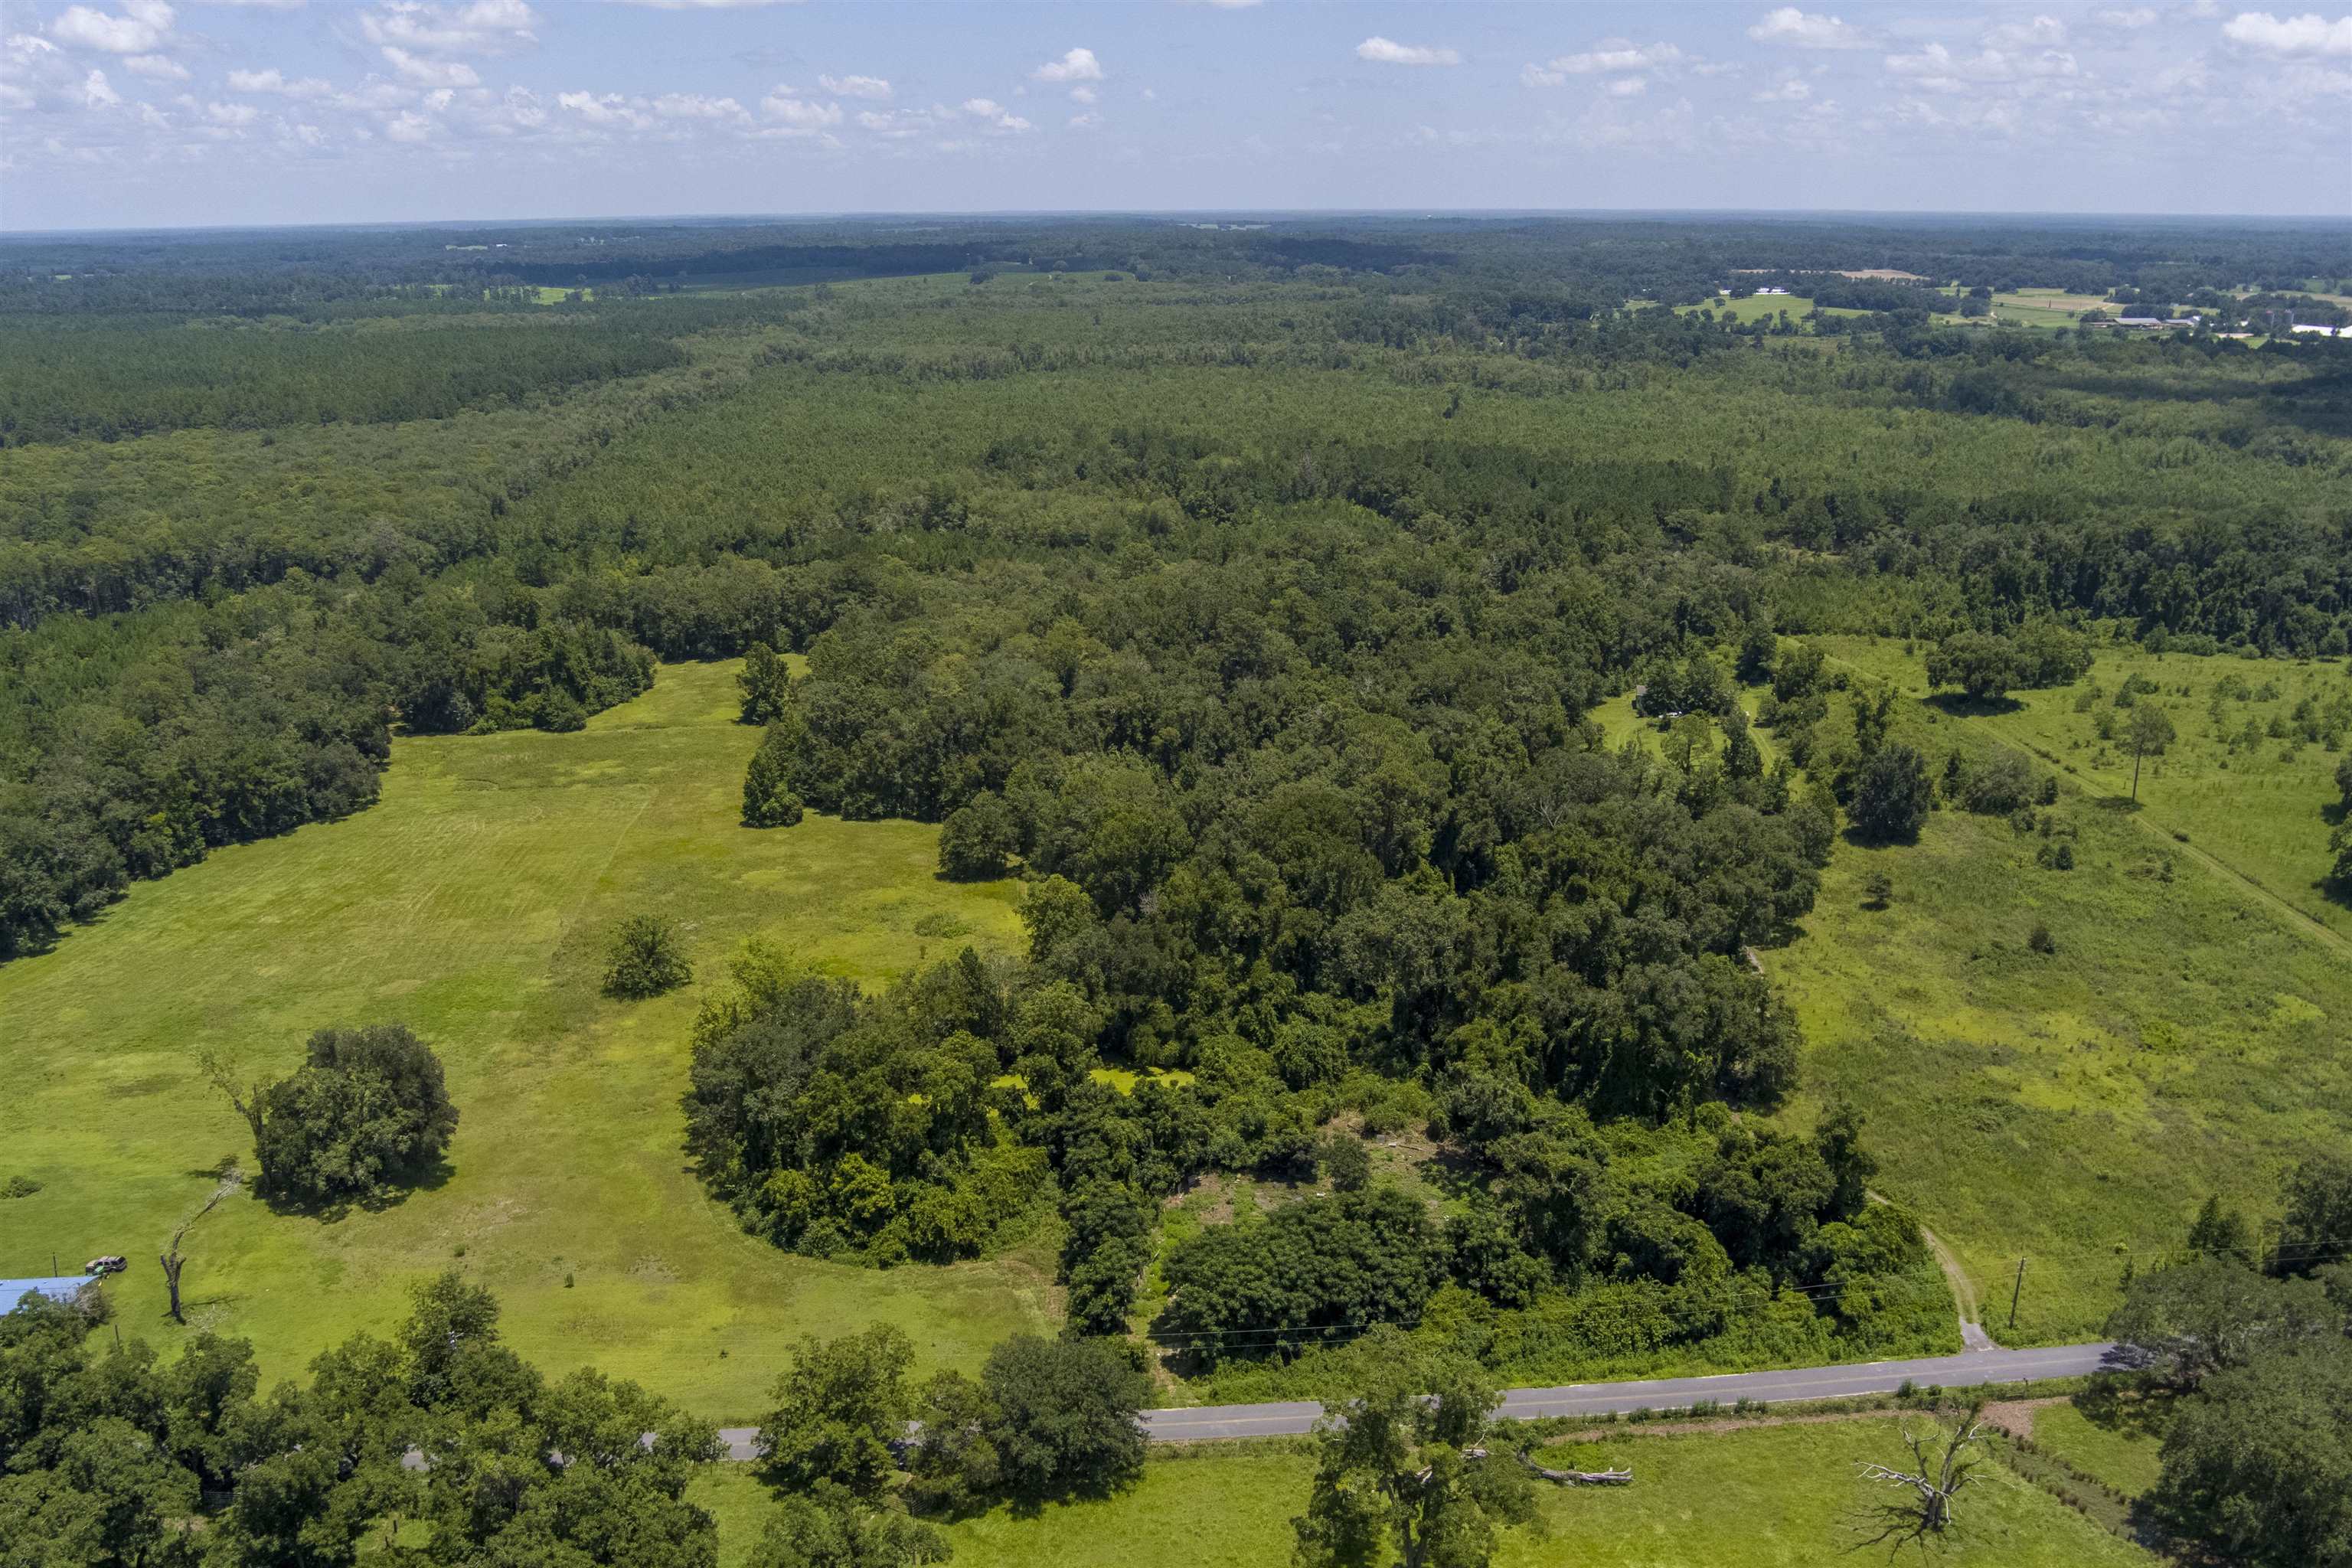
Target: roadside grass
[(2120, 1454), (1762, 1496), (2072, 1106), (473, 904)]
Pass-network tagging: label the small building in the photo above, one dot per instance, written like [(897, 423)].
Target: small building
[(1771, 290), (57, 1287), (2323, 332)]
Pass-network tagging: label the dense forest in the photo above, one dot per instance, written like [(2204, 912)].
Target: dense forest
[(1249, 592)]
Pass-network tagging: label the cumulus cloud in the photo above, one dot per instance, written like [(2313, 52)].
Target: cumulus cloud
[(1084, 94), (1077, 65), (231, 114), (1937, 68), (998, 117), (1388, 52), (798, 114), (696, 106), (143, 24), (2137, 17), (409, 126), (1086, 121), (855, 86), (430, 73), (275, 80), (2041, 33), (2309, 34), (156, 67), (1629, 86), (606, 110), (96, 93), (1810, 30), (1615, 54), (1788, 89), (484, 26)]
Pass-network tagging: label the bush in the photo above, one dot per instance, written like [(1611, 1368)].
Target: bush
[(645, 960), (19, 1187), (2039, 939), (1346, 1164)]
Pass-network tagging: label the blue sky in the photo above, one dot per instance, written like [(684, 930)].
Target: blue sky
[(132, 112)]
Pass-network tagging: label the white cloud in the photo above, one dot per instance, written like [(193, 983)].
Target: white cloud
[(431, 73), (2041, 33), (1616, 54), (1535, 76), (156, 67), (273, 81), (704, 4), (1387, 52), (1083, 95), (2305, 35), (696, 106), (2139, 16), (998, 117), (13, 97), (1629, 86), (484, 26), (1086, 121), (855, 86), (1077, 65), (96, 93), (609, 110), (1939, 69), (1231, 4), (799, 114), (1810, 30), (143, 24), (231, 114), (409, 126), (1789, 89)]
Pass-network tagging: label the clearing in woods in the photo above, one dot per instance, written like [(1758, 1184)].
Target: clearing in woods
[(473, 904), (2185, 1036)]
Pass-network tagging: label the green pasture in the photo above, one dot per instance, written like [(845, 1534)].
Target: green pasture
[(1778, 1495), (2072, 1108), (473, 904), (2260, 805)]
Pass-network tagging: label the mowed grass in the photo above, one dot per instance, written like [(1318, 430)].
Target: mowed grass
[(1776, 1496), (2072, 1107), (474, 904)]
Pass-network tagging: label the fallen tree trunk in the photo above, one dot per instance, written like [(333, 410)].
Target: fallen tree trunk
[(1580, 1478)]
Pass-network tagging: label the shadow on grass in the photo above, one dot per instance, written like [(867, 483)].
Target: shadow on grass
[(429, 1177), (1960, 705)]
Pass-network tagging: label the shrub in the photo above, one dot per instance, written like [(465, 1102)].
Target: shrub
[(2039, 939), (645, 960)]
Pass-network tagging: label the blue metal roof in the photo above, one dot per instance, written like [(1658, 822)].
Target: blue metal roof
[(59, 1288)]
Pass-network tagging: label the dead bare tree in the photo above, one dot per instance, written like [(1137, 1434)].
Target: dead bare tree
[(247, 1099), (1941, 1464), (172, 1260)]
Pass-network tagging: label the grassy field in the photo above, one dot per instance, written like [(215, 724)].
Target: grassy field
[(473, 904), (2121, 1456), (1765, 1496), (2184, 1039)]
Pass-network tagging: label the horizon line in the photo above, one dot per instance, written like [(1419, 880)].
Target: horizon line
[(1308, 214)]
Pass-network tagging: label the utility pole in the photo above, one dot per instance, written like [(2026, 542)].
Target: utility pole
[(2015, 1291)]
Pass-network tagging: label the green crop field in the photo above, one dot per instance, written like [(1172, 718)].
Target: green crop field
[(1773, 1495), (2073, 1108), (473, 904)]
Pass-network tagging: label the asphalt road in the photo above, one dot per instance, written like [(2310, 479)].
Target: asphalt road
[(1964, 1371)]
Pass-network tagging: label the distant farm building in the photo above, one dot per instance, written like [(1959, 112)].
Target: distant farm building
[(2323, 332)]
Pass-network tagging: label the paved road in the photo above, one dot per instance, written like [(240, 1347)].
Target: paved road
[(1964, 1371)]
